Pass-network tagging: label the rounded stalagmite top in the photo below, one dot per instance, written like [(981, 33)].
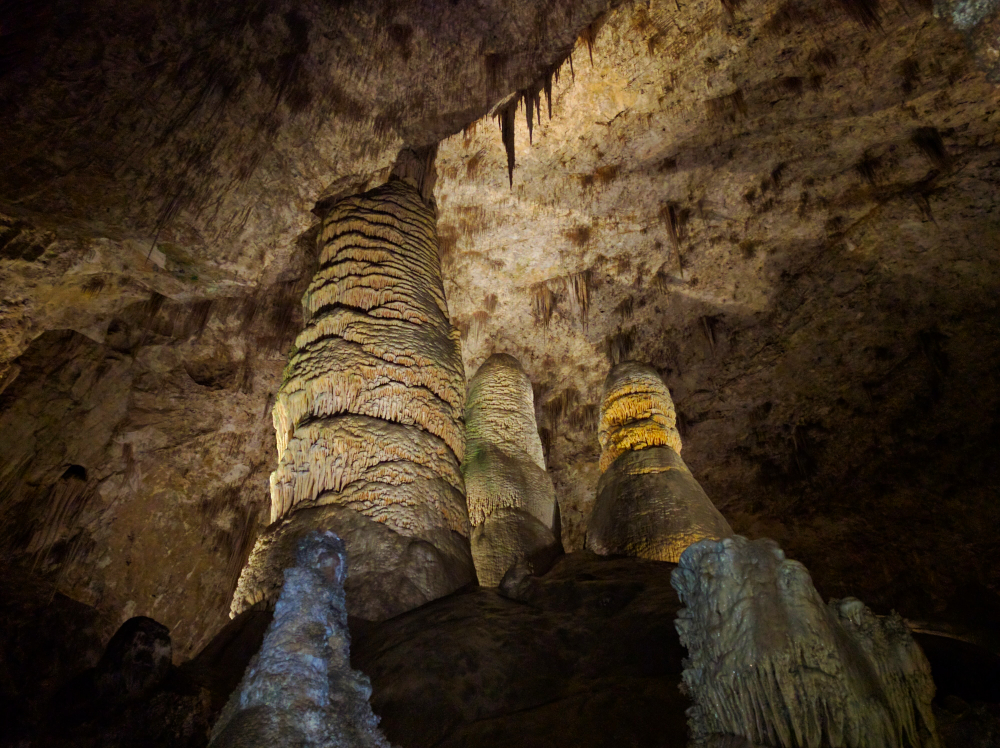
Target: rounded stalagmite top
[(636, 412), (500, 408)]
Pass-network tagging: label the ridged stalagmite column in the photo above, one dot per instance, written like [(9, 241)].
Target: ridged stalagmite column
[(648, 503), (512, 504), (369, 415)]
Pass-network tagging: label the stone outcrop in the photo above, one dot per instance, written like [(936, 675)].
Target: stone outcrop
[(300, 690), (512, 504), (768, 661), (648, 503), (369, 415)]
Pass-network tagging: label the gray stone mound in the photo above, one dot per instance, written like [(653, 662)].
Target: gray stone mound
[(300, 690), (769, 662)]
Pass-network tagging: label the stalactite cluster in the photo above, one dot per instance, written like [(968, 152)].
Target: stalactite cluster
[(648, 503), (512, 504), (770, 662), (369, 415)]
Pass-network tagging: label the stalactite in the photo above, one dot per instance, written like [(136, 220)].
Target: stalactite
[(511, 500), (648, 503), (368, 418)]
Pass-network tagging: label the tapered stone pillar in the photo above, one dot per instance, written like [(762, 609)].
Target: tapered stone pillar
[(512, 504), (648, 503), (369, 416)]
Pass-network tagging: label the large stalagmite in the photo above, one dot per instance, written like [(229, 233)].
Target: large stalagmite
[(369, 415), (648, 503), (512, 504), (770, 662)]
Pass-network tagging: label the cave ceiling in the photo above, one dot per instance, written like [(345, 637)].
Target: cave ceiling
[(787, 208)]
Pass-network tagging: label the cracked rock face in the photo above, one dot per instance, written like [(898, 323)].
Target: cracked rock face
[(512, 504)]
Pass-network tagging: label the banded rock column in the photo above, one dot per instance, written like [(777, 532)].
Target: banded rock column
[(369, 415), (512, 503), (648, 503)]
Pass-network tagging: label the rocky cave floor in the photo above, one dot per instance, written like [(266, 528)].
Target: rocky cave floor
[(584, 655), (789, 211)]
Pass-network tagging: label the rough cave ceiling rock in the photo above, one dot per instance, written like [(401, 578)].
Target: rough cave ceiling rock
[(791, 216), (795, 221)]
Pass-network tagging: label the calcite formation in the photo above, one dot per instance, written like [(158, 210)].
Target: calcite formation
[(769, 662), (300, 689), (648, 503), (369, 415), (512, 504)]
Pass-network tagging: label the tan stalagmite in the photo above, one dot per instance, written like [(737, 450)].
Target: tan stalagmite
[(648, 503), (368, 418), (512, 504)]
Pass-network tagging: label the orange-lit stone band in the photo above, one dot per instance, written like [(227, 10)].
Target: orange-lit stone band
[(369, 414), (648, 503)]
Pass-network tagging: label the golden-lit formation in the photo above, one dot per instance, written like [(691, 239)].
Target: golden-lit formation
[(648, 503), (369, 415), (636, 413), (512, 504)]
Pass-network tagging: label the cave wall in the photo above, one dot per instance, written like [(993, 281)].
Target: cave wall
[(791, 214)]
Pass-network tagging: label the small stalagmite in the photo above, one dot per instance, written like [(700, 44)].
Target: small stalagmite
[(512, 504), (648, 503), (369, 415)]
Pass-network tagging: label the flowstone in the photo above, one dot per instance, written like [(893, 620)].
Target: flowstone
[(512, 503), (648, 503), (769, 662), (369, 416), (300, 690)]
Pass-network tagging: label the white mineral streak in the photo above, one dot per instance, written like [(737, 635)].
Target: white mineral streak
[(768, 661), (512, 506), (648, 503), (369, 416)]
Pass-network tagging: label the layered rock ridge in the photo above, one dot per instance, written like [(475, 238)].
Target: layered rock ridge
[(648, 503), (369, 415), (769, 662), (512, 503)]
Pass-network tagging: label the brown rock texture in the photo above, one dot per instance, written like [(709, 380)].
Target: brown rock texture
[(826, 318), (512, 504), (791, 215), (648, 503), (369, 415)]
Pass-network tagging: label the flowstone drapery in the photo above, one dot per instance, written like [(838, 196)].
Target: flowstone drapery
[(369, 415), (768, 661), (648, 503), (300, 689), (512, 504)]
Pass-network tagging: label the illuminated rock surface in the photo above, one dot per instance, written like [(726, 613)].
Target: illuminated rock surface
[(768, 661), (648, 503), (368, 417), (512, 505), (300, 690)]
